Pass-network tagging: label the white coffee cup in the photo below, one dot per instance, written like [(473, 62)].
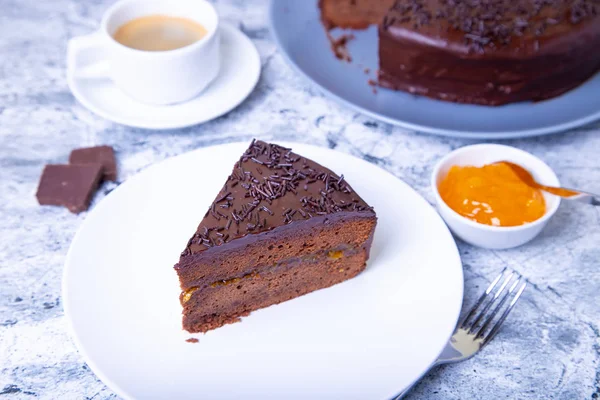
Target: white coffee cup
[(154, 77)]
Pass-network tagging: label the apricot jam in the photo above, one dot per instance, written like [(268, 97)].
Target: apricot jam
[(492, 195), (187, 295)]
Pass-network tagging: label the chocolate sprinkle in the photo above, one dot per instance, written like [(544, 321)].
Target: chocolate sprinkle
[(254, 204), (490, 23)]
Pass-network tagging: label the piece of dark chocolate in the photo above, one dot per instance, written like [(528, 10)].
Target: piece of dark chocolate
[(71, 186), (104, 155)]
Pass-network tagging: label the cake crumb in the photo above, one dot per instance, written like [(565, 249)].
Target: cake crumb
[(339, 46), (192, 340), (367, 71), (373, 84)]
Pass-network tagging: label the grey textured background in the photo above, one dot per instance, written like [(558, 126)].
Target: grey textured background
[(549, 348)]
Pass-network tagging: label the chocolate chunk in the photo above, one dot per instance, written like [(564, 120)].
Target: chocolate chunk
[(71, 186), (104, 155)]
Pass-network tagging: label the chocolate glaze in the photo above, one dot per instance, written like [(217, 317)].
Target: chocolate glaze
[(271, 187), (491, 53)]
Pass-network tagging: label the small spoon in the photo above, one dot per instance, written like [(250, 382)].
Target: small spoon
[(569, 194)]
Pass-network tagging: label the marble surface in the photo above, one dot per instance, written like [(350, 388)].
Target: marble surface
[(549, 347)]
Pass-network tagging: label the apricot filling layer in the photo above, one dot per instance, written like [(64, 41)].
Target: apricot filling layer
[(332, 255)]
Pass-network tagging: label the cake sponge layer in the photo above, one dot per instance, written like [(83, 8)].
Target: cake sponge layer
[(273, 267), (356, 14), (216, 305), (282, 243)]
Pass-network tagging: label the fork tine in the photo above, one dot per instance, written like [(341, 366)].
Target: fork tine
[(489, 303), (482, 298), (489, 319), (512, 303)]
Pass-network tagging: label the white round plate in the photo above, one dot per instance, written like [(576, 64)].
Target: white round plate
[(366, 338), (240, 71)]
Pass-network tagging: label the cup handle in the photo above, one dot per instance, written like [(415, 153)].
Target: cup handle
[(87, 56)]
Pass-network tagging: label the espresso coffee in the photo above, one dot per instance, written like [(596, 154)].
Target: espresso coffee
[(159, 33)]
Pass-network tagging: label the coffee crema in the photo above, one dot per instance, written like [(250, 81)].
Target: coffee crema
[(159, 33)]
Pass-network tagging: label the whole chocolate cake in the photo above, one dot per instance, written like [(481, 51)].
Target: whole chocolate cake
[(282, 226), (488, 52)]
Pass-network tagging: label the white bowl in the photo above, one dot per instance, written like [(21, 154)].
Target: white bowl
[(487, 236)]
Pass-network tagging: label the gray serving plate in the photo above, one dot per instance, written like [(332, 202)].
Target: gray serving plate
[(297, 29)]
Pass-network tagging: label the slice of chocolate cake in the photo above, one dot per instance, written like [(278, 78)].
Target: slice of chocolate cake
[(281, 226)]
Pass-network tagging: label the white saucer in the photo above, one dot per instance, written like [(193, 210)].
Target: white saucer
[(240, 70), (366, 338)]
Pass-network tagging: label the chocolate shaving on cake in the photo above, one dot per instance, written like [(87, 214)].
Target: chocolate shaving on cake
[(491, 22), (264, 174)]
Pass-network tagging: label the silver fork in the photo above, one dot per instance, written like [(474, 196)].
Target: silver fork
[(478, 327)]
